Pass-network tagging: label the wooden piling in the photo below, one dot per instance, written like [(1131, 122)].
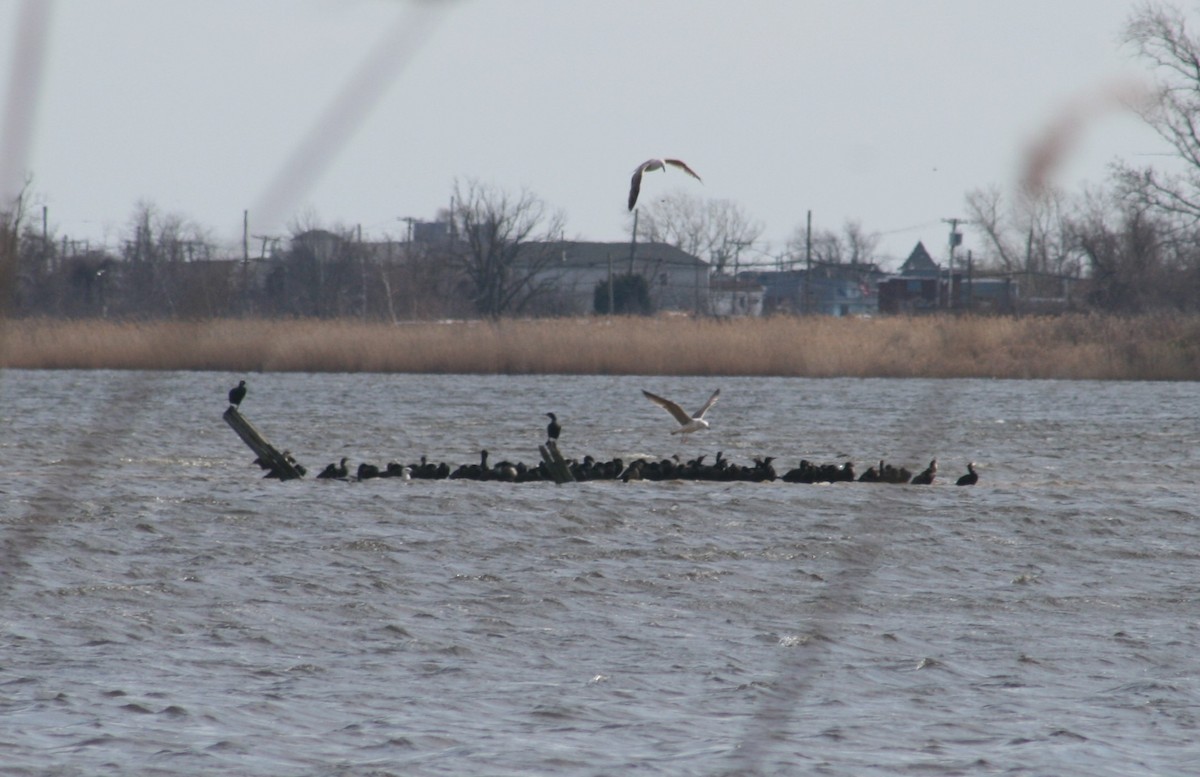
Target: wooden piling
[(555, 463), (280, 466)]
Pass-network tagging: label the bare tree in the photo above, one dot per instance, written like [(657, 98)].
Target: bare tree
[(1123, 247), (420, 283), (166, 237), (152, 280), (1159, 34), (325, 272), (858, 245), (853, 245), (714, 230), (11, 214), (504, 242), (1031, 234)]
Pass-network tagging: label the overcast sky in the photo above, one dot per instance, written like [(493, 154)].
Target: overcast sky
[(363, 112)]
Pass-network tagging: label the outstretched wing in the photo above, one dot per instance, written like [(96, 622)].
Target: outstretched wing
[(711, 401), (635, 186), (683, 166), (678, 412)]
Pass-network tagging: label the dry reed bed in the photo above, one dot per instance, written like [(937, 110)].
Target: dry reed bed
[(1071, 347)]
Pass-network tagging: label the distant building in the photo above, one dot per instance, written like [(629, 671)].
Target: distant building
[(735, 296), (991, 295), (920, 264), (913, 294), (829, 289), (675, 279), (435, 232), (924, 287), (319, 244), (919, 287)]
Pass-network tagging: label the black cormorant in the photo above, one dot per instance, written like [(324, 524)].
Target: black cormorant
[(237, 394), (925, 478), (334, 471)]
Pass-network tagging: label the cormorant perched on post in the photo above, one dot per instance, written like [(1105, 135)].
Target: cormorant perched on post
[(553, 429), (971, 478), (237, 394)]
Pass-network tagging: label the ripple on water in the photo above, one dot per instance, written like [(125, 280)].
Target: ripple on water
[(167, 607)]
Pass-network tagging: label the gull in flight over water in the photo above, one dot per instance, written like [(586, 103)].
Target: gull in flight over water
[(687, 423), (635, 185)]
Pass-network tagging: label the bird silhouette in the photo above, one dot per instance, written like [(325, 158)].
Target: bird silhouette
[(635, 185), (553, 429), (925, 477), (969, 479), (334, 471), (237, 394)]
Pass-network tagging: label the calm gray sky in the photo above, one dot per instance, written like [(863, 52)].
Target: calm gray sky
[(362, 112)]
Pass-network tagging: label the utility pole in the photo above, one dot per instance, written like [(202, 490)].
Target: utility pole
[(244, 302), (808, 264), (362, 257), (267, 239), (611, 294), (410, 221), (633, 242), (737, 245), (955, 241), (970, 281)]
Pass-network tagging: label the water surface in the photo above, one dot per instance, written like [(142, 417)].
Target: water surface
[(165, 611)]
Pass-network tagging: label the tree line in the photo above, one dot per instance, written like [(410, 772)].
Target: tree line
[(1133, 243)]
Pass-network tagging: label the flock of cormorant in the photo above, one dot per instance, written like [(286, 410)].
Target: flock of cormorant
[(762, 470), (588, 468)]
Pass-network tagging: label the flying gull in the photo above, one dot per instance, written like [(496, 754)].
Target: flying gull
[(655, 164), (687, 423)]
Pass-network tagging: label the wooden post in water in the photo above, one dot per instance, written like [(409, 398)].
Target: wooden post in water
[(555, 463), (280, 466)]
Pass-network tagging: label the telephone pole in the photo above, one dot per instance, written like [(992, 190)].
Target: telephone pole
[(808, 263), (633, 242), (955, 242), (410, 221)]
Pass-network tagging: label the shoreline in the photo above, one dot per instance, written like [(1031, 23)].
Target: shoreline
[(1070, 347)]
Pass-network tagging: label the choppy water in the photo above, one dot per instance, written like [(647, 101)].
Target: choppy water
[(163, 611)]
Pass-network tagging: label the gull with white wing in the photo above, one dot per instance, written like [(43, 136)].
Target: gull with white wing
[(687, 423), (635, 185)]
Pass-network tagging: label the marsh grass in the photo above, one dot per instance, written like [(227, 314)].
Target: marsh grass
[(1069, 347)]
